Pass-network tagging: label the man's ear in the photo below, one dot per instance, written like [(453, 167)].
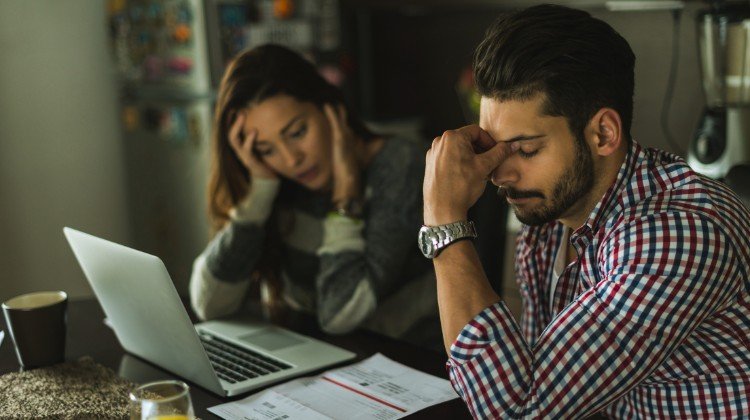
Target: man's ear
[(606, 131)]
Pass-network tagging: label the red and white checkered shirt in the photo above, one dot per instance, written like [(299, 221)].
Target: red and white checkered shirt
[(651, 321)]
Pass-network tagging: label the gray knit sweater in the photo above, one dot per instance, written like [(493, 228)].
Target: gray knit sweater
[(349, 273)]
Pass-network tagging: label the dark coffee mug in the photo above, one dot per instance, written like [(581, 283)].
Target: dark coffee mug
[(36, 322)]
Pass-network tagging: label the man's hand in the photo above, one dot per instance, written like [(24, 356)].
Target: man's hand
[(457, 167)]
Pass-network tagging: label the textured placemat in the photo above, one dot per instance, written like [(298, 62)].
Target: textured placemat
[(75, 390)]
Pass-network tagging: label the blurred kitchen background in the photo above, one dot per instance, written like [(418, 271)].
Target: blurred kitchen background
[(105, 107)]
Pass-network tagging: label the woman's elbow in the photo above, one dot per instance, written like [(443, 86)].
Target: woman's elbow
[(337, 318)]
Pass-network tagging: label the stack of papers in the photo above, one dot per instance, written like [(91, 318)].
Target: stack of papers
[(376, 388)]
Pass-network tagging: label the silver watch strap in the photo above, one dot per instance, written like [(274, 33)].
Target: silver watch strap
[(451, 232), (433, 239)]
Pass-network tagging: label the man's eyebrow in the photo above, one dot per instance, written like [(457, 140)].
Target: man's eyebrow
[(523, 137)]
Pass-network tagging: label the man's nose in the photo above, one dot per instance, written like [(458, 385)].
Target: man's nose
[(504, 174)]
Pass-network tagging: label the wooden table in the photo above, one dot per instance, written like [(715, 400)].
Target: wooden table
[(88, 336)]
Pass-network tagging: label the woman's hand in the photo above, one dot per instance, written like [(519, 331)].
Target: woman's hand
[(347, 155), (243, 148)]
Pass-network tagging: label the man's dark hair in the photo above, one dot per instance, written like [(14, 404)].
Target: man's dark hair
[(579, 62)]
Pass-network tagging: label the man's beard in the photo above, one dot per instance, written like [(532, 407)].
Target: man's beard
[(575, 183)]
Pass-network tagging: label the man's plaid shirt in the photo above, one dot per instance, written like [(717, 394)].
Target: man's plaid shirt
[(651, 321)]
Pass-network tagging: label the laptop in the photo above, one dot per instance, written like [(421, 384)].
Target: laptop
[(226, 357)]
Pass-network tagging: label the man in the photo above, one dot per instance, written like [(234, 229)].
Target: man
[(634, 270)]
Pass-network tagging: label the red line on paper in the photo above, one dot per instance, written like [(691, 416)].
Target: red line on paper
[(395, 407)]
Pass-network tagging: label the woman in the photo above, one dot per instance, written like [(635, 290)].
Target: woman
[(305, 198)]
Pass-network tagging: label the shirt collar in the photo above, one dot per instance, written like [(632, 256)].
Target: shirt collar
[(612, 201)]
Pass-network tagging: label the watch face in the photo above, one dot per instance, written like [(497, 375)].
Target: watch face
[(425, 244)]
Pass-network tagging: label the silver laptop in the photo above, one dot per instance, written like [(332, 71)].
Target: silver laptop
[(224, 357)]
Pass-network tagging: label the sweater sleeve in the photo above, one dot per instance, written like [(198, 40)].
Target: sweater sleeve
[(221, 273), (360, 261)]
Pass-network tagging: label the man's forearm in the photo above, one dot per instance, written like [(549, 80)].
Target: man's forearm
[(462, 289)]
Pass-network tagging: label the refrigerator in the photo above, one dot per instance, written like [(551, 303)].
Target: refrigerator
[(169, 56)]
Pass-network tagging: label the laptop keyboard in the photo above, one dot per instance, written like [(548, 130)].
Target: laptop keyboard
[(233, 363)]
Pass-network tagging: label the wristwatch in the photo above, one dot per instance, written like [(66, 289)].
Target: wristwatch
[(433, 239)]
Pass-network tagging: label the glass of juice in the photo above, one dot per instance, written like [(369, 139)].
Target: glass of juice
[(163, 400)]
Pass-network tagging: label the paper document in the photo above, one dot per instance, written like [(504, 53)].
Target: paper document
[(376, 388)]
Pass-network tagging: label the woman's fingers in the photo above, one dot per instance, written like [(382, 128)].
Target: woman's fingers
[(249, 144), (235, 132), (343, 123), (335, 120), (243, 147)]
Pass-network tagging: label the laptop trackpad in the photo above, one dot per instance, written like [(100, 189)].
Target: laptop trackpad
[(271, 339)]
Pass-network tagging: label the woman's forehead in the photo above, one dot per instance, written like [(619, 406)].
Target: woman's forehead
[(273, 115)]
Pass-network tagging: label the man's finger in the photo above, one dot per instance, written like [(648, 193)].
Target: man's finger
[(481, 140), (434, 142), (492, 158)]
